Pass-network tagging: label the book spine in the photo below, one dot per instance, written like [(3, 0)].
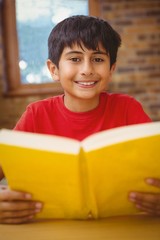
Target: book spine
[(89, 199)]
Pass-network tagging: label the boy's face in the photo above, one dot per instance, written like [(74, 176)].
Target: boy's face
[(83, 73)]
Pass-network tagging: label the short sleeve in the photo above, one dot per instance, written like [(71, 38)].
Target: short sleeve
[(136, 113), (26, 121)]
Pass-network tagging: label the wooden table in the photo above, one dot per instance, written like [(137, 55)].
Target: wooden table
[(124, 228)]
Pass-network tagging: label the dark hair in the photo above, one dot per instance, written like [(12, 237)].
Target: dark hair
[(86, 30)]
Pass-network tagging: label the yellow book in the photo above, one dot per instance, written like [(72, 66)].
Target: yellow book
[(75, 179)]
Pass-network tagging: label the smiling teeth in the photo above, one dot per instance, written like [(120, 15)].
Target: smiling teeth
[(86, 83)]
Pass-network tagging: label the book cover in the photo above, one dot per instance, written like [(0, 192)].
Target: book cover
[(76, 179)]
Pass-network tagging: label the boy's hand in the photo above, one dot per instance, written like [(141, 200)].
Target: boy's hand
[(147, 202), (17, 207)]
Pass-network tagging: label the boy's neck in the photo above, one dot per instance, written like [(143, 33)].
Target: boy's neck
[(81, 105)]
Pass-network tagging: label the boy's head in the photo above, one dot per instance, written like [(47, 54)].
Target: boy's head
[(83, 30)]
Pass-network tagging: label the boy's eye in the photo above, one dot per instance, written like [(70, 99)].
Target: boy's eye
[(98, 60), (75, 59)]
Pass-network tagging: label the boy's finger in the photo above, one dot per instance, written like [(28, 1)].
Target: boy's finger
[(17, 220), (18, 214), (152, 198), (18, 206), (7, 195), (149, 205), (153, 181), (150, 211)]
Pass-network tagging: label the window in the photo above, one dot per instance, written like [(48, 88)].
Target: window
[(23, 75), (33, 29)]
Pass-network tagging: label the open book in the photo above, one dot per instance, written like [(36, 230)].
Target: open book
[(77, 179)]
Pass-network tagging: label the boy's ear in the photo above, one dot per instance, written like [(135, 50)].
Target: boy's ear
[(53, 70), (113, 68), (112, 71)]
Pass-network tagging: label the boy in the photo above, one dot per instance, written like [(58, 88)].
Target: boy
[(82, 56)]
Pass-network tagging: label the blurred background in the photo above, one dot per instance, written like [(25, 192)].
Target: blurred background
[(24, 29)]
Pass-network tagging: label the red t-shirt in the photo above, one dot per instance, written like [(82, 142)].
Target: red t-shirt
[(50, 116)]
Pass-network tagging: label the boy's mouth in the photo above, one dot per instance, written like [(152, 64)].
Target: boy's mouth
[(86, 84)]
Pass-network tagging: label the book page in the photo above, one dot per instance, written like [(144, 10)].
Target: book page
[(39, 141), (117, 169), (52, 178), (120, 134)]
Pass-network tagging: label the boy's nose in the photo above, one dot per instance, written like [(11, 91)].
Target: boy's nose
[(87, 69)]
